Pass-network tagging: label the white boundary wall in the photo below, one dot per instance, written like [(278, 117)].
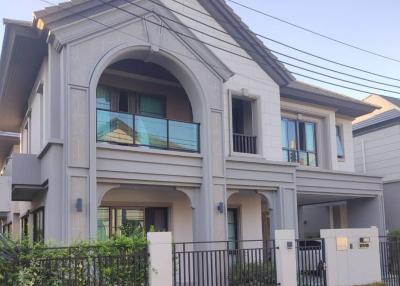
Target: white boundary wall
[(348, 263)]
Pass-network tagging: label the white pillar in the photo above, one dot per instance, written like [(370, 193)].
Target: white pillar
[(160, 252), (286, 257)]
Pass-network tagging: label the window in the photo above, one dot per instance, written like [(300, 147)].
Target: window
[(7, 228), (112, 220), (25, 226), (298, 142), (233, 228), (152, 106), (244, 139), (103, 98), (38, 225), (339, 142)]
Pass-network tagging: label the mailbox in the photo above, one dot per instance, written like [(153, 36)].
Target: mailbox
[(364, 242)]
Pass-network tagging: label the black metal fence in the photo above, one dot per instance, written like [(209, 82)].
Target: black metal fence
[(311, 264), (244, 263), (390, 260), (244, 143), (77, 267)]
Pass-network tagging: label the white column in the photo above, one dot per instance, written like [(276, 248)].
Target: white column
[(160, 258), (286, 257)]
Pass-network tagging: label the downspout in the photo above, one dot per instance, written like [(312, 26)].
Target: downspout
[(363, 156)]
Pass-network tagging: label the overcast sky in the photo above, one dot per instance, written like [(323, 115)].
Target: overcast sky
[(370, 24)]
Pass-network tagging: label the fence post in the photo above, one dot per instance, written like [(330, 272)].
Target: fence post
[(160, 258), (286, 257)]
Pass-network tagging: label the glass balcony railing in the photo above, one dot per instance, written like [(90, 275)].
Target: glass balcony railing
[(137, 130)]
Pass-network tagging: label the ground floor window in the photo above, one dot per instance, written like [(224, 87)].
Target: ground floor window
[(25, 226), (233, 228), (116, 220), (7, 229), (38, 225)]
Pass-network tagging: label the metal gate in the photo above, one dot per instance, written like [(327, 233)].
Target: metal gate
[(225, 263), (311, 263), (389, 248)]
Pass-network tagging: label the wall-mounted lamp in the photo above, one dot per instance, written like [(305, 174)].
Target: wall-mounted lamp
[(79, 205), (221, 208)]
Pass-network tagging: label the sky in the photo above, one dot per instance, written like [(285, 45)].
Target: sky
[(369, 24)]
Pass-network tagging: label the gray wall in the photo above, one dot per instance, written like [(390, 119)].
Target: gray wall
[(391, 193)]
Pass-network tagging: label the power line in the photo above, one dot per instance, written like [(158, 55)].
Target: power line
[(235, 45), (314, 32), (191, 37), (280, 53), (281, 43)]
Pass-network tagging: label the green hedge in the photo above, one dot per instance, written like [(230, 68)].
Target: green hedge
[(119, 261)]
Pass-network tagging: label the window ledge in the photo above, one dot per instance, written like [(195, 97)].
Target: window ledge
[(147, 150), (246, 155)]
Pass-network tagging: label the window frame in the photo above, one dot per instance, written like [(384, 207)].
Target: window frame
[(297, 151), (113, 218), (255, 101), (339, 136), (25, 226)]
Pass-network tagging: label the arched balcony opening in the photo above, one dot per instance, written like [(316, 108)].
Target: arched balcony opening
[(142, 104)]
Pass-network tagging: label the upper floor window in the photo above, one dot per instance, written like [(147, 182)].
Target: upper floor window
[(243, 129), (339, 142), (299, 142)]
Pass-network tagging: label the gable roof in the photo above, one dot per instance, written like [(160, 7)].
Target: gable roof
[(218, 9), (242, 34), (345, 105), (377, 122), (392, 100)]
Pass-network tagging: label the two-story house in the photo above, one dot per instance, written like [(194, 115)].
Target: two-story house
[(154, 113), (377, 150)]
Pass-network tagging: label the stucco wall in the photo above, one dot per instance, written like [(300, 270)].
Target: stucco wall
[(377, 153), (391, 194)]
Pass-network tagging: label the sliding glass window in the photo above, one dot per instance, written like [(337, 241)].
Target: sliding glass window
[(299, 142)]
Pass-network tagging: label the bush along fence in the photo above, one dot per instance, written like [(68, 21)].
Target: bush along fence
[(118, 261)]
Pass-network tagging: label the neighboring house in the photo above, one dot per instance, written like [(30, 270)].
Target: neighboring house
[(138, 124), (377, 151)]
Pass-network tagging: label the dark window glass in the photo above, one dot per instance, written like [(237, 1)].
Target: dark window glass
[(111, 221), (298, 142), (123, 102), (152, 106), (157, 219), (232, 228), (339, 143), (38, 225), (25, 226)]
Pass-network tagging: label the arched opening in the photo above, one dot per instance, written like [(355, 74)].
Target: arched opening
[(249, 217), (141, 103), (145, 207)]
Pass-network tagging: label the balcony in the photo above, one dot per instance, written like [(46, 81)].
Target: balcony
[(244, 143), (151, 132)]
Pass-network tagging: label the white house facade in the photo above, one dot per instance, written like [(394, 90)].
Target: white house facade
[(377, 151), (153, 114)]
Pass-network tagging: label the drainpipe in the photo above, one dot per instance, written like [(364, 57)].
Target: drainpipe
[(363, 156)]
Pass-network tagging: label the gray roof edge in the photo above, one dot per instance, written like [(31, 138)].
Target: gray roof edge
[(234, 25), (344, 104), (375, 127), (221, 12)]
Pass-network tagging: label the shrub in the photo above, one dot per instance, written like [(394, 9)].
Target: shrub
[(121, 260)]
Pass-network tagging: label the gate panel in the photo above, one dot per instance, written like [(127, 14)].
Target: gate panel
[(225, 263), (311, 262), (389, 248)]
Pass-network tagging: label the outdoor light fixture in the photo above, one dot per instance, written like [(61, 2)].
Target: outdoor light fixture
[(220, 207), (79, 205)]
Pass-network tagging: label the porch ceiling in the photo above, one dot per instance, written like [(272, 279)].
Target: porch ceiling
[(313, 199)]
